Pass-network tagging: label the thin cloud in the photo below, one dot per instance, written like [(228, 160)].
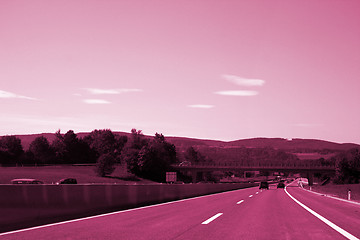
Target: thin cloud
[(41, 120), (4, 94), (306, 125), (201, 106), (243, 93), (96, 101), (112, 91), (248, 82)]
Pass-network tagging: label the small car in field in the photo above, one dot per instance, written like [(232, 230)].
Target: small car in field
[(26, 181), (264, 185), (66, 181), (281, 185), (185, 164)]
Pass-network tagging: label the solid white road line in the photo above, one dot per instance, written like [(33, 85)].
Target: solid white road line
[(330, 224), (212, 218), (251, 196), (240, 202)]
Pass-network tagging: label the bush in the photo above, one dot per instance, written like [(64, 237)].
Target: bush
[(348, 167), (105, 165)]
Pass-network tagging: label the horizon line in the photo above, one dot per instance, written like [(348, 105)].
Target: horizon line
[(187, 137)]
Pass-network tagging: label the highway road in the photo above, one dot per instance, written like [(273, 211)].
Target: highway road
[(241, 214)]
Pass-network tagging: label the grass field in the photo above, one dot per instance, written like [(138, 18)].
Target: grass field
[(340, 191), (83, 174)]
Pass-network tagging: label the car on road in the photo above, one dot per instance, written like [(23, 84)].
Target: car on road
[(264, 185), (185, 164), (26, 181), (281, 185), (67, 181)]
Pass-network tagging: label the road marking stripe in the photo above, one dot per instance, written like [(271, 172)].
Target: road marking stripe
[(257, 192), (212, 218), (240, 202), (330, 224), (251, 196)]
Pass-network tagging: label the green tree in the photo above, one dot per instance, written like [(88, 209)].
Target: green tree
[(70, 149), (105, 141), (137, 140), (155, 159), (105, 164), (58, 146), (194, 156), (10, 149), (41, 150), (29, 157), (102, 141), (120, 142), (131, 150), (348, 167), (131, 157)]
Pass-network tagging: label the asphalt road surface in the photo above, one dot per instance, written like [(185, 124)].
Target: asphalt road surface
[(242, 214)]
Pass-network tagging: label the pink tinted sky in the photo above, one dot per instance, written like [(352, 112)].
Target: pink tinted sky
[(207, 69)]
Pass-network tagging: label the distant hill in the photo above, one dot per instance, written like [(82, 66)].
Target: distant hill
[(182, 143), (27, 139), (254, 149), (293, 144)]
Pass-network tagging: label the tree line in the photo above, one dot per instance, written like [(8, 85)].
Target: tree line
[(347, 167), (148, 157), (145, 157)]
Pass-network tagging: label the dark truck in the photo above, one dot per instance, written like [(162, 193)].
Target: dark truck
[(264, 185)]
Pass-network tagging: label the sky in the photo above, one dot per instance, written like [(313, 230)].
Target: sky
[(223, 70)]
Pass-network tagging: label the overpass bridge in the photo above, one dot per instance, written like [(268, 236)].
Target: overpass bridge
[(302, 168)]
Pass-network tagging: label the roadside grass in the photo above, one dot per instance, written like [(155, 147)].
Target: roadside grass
[(83, 174), (340, 191)]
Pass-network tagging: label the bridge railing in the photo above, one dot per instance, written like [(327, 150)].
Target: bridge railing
[(262, 165)]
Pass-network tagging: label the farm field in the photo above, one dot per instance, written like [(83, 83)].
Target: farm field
[(83, 174)]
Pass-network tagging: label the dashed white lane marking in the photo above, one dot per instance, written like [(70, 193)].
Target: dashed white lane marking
[(257, 192), (240, 201), (251, 196), (212, 218), (330, 224)]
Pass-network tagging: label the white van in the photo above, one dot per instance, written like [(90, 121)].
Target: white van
[(26, 181)]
